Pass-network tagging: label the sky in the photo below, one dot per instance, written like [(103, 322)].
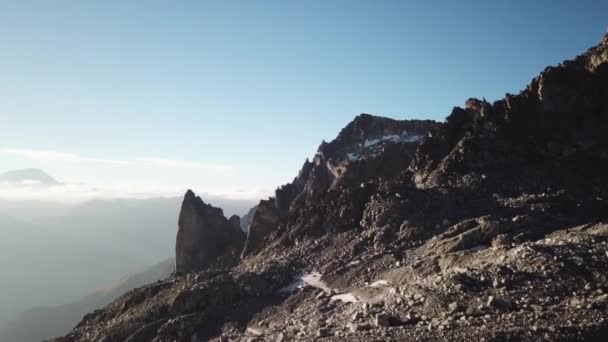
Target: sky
[(230, 97)]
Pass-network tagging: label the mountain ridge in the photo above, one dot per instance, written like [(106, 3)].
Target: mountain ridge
[(477, 229)]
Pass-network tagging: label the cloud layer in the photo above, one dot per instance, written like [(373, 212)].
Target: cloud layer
[(55, 156), (140, 177)]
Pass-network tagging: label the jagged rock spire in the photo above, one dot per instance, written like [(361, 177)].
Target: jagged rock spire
[(205, 238)]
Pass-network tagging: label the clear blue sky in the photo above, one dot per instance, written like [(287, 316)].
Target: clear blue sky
[(251, 87)]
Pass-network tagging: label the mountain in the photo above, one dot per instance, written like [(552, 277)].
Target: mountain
[(35, 261), (95, 242), (28, 177), (57, 320), (489, 226)]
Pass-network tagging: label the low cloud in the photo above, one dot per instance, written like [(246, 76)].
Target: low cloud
[(78, 192), (54, 156), (64, 157)]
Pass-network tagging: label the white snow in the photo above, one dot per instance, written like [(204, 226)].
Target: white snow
[(353, 156), (403, 137), (369, 143), (346, 297), (312, 279), (393, 137), (380, 283)]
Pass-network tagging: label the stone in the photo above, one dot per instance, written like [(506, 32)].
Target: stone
[(382, 320), (499, 303), (355, 327), (323, 332)]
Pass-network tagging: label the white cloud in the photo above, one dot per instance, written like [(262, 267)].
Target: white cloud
[(142, 177), (46, 155), (78, 192), (55, 156)]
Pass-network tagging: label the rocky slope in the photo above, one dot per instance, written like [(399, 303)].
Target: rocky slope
[(491, 225)]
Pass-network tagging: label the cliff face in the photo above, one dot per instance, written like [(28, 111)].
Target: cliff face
[(491, 225), (205, 238), (558, 120), (329, 193)]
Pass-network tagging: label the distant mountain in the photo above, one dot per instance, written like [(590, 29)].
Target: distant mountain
[(40, 266), (53, 321), (28, 177), (53, 253)]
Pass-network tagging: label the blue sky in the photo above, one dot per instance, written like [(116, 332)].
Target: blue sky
[(232, 96)]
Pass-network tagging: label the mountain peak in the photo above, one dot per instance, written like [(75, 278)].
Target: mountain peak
[(28, 177)]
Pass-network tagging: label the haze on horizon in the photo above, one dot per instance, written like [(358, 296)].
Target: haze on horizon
[(145, 99)]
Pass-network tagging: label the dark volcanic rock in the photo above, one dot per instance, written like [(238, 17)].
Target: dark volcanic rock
[(205, 238)]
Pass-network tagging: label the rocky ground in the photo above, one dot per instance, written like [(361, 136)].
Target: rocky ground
[(490, 226)]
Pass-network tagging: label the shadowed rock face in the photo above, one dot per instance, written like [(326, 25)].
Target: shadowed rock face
[(327, 195), (205, 238), (265, 220), (559, 120)]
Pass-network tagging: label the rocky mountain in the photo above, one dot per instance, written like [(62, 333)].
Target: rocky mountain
[(28, 177), (488, 226)]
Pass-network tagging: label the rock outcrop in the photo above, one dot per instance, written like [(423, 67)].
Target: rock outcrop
[(558, 121), (327, 195), (246, 219), (264, 221), (205, 238)]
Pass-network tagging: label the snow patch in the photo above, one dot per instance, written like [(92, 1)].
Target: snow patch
[(395, 138), (380, 283), (353, 156), (369, 143), (346, 297), (403, 137), (301, 280)]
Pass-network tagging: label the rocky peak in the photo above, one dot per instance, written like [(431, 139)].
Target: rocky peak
[(205, 238), (28, 177), (367, 134), (558, 120), (368, 147)]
